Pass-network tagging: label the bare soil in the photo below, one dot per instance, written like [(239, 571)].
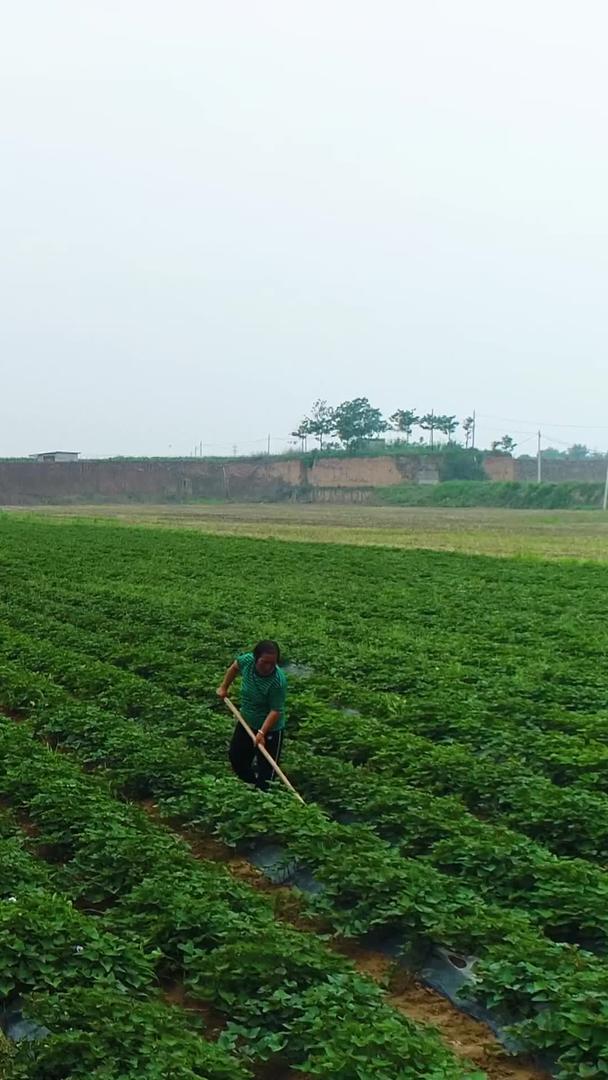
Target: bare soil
[(467, 1038)]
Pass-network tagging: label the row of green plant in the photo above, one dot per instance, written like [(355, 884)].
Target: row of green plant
[(450, 711), (281, 990), (567, 495), (487, 783), (445, 645), (367, 885), (567, 820), (77, 726), (567, 897), (454, 637), (157, 761), (578, 758), (562, 757), (94, 991)]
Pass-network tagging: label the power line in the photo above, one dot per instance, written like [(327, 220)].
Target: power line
[(526, 441), (554, 438)]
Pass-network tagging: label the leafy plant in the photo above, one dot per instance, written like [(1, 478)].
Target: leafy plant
[(103, 1034)]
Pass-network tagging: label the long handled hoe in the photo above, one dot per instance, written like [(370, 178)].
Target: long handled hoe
[(262, 749)]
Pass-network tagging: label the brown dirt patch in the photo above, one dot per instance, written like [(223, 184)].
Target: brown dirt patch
[(214, 1022), (467, 1038)]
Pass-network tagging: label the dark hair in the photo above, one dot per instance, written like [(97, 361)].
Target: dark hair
[(264, 647)]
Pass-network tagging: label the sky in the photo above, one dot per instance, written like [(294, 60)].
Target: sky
[(214, 213)]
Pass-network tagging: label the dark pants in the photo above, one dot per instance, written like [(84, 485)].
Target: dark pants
[(248, 763)]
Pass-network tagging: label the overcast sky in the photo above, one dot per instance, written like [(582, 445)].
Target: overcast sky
[(215, 211)]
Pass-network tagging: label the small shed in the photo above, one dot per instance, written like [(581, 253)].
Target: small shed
[(57, 455)]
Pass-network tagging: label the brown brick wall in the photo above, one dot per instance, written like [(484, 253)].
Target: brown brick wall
[(499, 467), (355, 472), (119, 481), (154, 481), (372, 471), (24, 482)]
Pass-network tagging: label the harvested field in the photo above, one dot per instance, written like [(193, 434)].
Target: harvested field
[(554, 534)]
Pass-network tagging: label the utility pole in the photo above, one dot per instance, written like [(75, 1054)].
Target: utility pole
[(201, 448), (269, 446), (605, 503), (234, 448), (539, 467), (473, 432)]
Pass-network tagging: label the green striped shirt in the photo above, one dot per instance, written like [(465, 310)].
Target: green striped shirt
[(260, 694)]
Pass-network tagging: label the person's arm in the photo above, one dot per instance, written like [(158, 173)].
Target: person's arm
[(267, 726), (229, 677)]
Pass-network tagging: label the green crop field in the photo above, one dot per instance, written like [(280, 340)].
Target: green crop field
[(555, 534), (448, 729)]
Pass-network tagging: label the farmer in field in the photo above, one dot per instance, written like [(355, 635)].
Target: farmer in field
[(263, 690)]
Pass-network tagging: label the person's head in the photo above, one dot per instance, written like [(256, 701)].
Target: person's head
[(266, 655)]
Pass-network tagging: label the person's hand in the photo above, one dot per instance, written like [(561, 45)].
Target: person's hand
[(222, 692), (260, 738)]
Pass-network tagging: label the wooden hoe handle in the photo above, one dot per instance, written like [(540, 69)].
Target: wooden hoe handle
[(262, 749)]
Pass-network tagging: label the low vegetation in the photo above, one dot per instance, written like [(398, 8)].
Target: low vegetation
[(446, 727), (515, 495)]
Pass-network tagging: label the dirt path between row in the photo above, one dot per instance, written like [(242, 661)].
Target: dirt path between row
[(172, 992), (466, 1037)]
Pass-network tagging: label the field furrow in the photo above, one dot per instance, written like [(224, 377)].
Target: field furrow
[(447, 726)]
